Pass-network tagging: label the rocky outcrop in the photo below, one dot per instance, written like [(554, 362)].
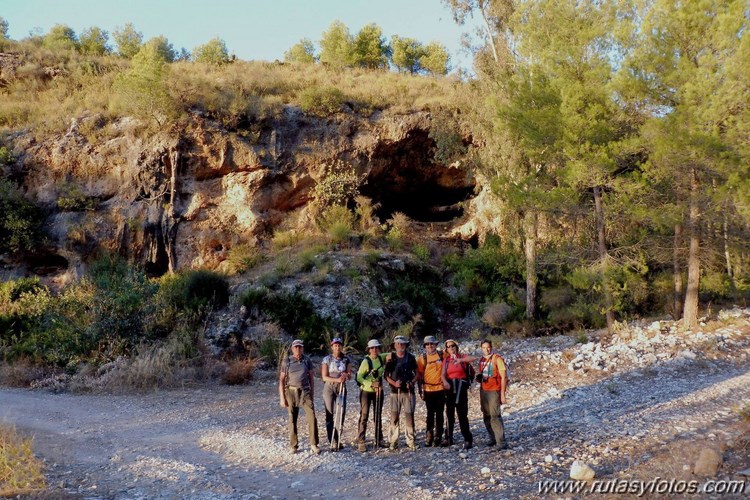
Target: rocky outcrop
[(184, 196)]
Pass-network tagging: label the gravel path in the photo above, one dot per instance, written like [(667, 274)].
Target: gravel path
[(230, 442)]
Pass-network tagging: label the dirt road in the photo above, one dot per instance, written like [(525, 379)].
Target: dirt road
[(230, 442)]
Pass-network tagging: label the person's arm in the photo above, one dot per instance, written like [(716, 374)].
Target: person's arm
[(311, 374), (282, 383), (444, 374), (361, 372), (415, 370), (503, 381), (420, 377), (324, 373)]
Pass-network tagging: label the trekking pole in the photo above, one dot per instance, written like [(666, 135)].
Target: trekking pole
[(378, 423), (341, 401), (336, 410)]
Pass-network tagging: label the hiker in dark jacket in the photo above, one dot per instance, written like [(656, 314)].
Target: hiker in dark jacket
[(296, 390), (456, 381), (401, 374)]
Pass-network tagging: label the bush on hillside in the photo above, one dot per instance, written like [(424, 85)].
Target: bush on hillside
[(292, 311), (322, 102), (20, 221)]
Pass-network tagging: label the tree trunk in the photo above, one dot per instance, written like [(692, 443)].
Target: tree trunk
[(488, 31), (725, 237), (677, 299), (690, 312), (603, 256), (530, 230)]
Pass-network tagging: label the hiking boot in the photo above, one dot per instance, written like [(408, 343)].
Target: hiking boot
[(382, 444), (414, 447), (467, 445), (292, 450), (503, 446), (393, 446), (490, 444), (447, 442), (437, 441), (428, 439), (315, 450), (361, 446)]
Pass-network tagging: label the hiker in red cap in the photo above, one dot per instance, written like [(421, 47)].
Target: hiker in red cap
[(335, 371), (431, 390)]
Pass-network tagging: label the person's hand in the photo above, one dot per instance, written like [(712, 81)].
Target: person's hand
[(397, 384), (446, 385), (282, 402), (502, 399), (421, 395), (343, 377), (375, 384), (478, 377)]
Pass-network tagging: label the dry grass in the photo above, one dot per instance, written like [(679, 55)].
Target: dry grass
[(51, 87), (20, 470), (240, 371), (22, 373)]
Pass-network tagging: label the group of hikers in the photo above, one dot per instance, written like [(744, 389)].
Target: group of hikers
[(442, 380)]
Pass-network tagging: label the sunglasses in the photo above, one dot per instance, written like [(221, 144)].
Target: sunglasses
[(430, 343), (452, 346)]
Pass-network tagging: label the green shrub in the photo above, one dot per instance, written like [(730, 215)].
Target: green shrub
[(321, 102), (194, 291), (23, 302), (292, 311), (20, 221), (486, 274), (715, 285), (242, 258), (72, 199), (338, 186), (337, 222), (421, 252)]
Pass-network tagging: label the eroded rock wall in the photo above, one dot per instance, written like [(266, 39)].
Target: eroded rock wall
[(184, 196)]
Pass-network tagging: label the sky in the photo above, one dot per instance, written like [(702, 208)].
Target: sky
[(252, 29)]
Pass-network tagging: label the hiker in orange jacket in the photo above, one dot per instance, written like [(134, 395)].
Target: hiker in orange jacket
[(431, 390), (494, 379)]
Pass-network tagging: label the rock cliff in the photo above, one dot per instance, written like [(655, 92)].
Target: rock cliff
[(184, 196)]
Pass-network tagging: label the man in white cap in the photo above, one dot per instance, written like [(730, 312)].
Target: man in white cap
[(296, 390), (401, 373), (431, 390), (369, 378)]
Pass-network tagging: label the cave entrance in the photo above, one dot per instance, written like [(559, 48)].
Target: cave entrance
[(405, 178)]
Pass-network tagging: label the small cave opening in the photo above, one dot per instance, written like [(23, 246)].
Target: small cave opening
[(157, 261), (45, 263), (405, 178)]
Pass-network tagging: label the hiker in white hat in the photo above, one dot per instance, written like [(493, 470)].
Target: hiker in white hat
[(369, 377)]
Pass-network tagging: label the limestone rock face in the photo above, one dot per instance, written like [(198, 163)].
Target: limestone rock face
[(183, 197)]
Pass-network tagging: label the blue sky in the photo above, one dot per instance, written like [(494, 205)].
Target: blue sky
[(252, 29)]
